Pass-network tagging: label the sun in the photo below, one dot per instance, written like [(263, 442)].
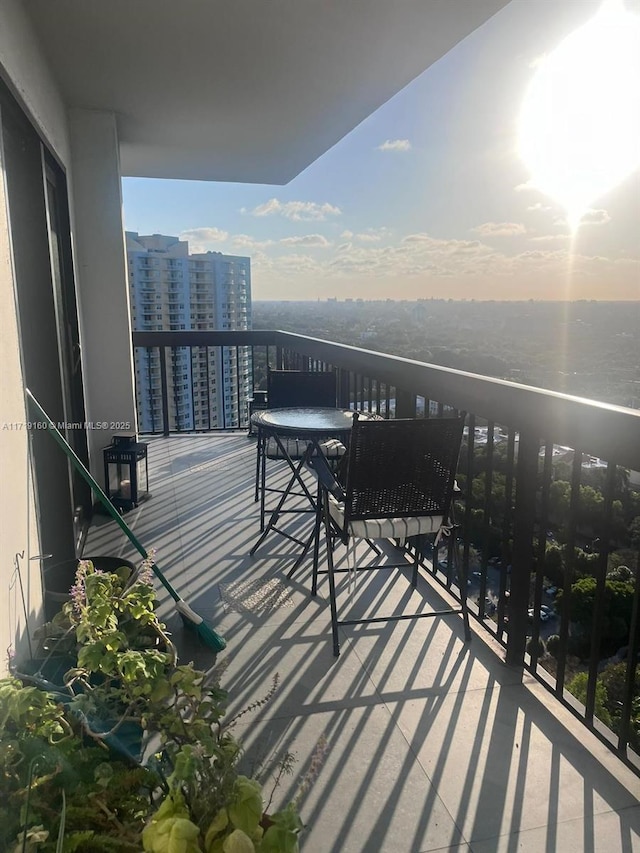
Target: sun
[(579, 131)]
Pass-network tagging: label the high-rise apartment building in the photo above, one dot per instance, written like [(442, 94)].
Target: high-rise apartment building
[(172, 290)]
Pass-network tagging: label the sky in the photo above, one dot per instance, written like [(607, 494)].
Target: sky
[(430, 196)]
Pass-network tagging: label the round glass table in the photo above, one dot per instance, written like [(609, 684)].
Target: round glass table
[(305, 422), (310, 426)]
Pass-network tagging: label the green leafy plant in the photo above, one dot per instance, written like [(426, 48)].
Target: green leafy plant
[(50, 775), (61, 778)]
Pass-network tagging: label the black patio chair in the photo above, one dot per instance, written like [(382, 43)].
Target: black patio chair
[(292, 389), (398, 483)]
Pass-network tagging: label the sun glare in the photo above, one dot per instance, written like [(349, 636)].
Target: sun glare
[(580, 121)]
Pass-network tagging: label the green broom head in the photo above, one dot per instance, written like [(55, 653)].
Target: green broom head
[(197, 623)]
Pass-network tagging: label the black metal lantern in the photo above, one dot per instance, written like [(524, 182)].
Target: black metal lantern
[(126, 472)]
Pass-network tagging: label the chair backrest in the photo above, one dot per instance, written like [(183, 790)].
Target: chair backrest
[(300, 388), (401, 468)]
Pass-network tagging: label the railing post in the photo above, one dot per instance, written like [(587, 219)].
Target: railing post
[(523, 554), (164, 391), (343, 389), (405, 404)]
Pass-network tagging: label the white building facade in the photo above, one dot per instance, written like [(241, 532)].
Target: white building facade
[(172, 290)]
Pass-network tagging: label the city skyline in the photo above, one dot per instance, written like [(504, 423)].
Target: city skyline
[(428, 197)]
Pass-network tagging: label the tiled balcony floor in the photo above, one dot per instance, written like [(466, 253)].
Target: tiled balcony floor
[(433, 744)]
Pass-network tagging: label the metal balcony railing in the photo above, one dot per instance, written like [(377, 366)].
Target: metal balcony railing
[(548, 515)]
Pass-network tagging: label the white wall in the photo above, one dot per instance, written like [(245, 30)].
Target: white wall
[(101, 270), (18, 531), (26, 71)]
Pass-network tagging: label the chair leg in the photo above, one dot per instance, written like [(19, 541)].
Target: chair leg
[(263, 480), (258, 457), (332, 581), (316, 541), (416, 563)]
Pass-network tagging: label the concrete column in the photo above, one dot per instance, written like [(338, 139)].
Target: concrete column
[(101, 275)]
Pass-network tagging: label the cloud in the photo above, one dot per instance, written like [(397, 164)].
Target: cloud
[(249, 244), (595, 217), (414, 255), (395, 145), (550, 238), (314, 241), (202, 239), (425, 242), (418, 238), (499, 229), (589, 217), (539, 206), (396, 266), (298, 211), (371, 235)]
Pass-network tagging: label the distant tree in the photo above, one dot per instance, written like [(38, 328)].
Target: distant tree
[(578, 687), (554, 564), (622, 557), (498, 482), (614, 679), (633, 503), (618, 521), (598, 476), (562, 471), (618, 604), (553, 645), (559, 499), (620, 573), (585, 564), (591, 503), (539, 645)]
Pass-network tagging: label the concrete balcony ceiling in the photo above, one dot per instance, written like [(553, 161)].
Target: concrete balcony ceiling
[(248, 90)]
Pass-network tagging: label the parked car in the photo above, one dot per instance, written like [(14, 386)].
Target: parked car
[(542, 615)]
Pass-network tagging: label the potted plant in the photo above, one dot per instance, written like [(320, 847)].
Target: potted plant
[(179, 789)]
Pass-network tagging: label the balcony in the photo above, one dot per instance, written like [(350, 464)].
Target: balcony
[(433, 744), (427, 751), (513, 528)]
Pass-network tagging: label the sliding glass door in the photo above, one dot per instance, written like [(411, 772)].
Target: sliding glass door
[(48, 324)]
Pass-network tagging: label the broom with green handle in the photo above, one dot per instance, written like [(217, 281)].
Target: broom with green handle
[(189, 616)]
